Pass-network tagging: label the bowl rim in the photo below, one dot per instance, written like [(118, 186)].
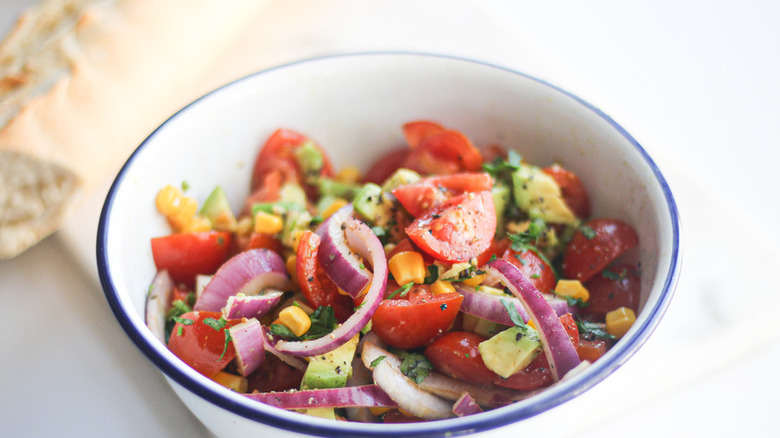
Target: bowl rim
[(544, 401)]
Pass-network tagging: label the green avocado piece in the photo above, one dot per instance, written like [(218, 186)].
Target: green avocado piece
[(292, 193), (217, 210), (310, 160), (481, 326), (338, 189), (540, 196), (511, 350), (332, 369), (399, 178), (368, 201), (501, 197)]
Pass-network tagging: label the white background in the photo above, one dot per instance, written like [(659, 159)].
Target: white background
[(695, 82)]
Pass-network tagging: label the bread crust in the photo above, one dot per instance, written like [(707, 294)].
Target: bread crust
[(84, 82)]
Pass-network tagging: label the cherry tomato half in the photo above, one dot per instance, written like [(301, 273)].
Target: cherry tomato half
[(419, 197), (415, 132), (532, 267), (614, 287), (274, 375), (415, 320), (201, 345), (457, 230), (185, 255), (586, 256), (456, 354), (385, 166), (318, 289), (436, 150)]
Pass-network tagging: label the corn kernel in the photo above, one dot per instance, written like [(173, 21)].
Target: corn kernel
[(291, 265), (572, 288), (334, 207), (407, 266), (295, 319), (619, 321), (225, 222), (442, 287), (378, 410), (349, 174), (530, 323), (231, 381), (197, 224), (167, 199), (475, 280), (296, 239), (268, 223)]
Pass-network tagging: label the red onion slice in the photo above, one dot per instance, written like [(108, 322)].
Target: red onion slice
[(158, 301), (488, 306), (350, 396), (408, 394), (247, 273), (371, 250), (465, 405), (561, 354), (339, 261), (251, 306), (249, 342)]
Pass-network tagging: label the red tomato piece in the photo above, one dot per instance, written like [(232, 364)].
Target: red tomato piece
[(457, 230), (421, 196), (200, 345), (385, 166), (417, 319), (572, 189), (448, 146), (274, 375), (496, 248), (586, 256), (456, 354), (315, 285), (591, 350), (186, 255), (536, 375), (278, 155), (619, 287), (533, 267), (570, 325), (265, 240), (415, 132)]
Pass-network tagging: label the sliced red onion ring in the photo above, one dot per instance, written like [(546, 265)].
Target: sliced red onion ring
[(247, 273), (371, 249), (249, 342), (350, 396), (339, 261), (488, 306), (445, 386), (158, 302), (561, 354), (466, 405), (408, 395), (251, 306)]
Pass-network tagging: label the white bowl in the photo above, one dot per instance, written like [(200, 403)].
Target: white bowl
[(354, 105)]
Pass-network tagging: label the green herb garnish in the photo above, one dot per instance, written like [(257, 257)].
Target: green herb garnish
[(376, 361), (403, 290), (416, 366)]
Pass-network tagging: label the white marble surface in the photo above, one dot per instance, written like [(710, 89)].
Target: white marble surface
[(694, 82)]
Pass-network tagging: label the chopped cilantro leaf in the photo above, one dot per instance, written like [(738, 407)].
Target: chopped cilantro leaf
[(587, 232), (376, 361), (403, 290), (416, 366)]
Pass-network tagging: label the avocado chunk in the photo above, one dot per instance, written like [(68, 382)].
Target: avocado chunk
[(310, 160), (399, 178), (540, 196), (338, 189), (369, 201), (331, 369), (292, 193), (481, 326), (511, 350), (217, 210), (501, 197)]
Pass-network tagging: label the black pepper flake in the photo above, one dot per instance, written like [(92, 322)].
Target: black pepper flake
[(310, 279), (443, 306)]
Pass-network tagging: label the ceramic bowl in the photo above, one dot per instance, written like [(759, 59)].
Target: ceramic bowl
[(354, 105)]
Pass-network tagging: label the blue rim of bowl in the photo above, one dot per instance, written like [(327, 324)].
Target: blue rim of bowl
[(544, 401)]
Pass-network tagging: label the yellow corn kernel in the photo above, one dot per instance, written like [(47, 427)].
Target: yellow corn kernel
[(296, 239), (572, 288), (295, 319), (334, 207), (378, 410), (442, 287), (619, 321), (291, 265), (530, 323), (475, 280), (349, 174), (407, 266), (197, 224), (167, 199), (268, 223), (225, 221), (231, 381)]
